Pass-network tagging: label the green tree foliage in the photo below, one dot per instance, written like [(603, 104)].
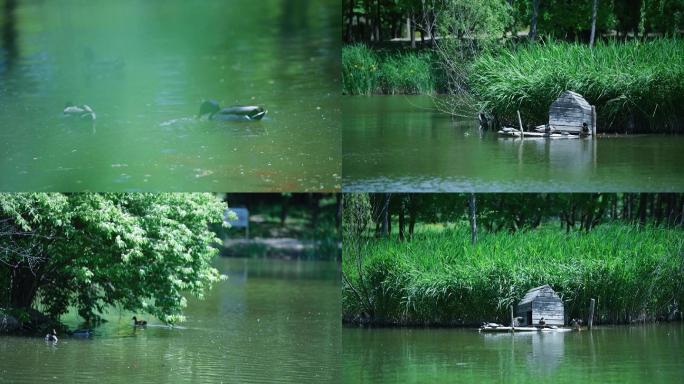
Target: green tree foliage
[(139, 252), (381, 20), (523, 211), (565, 19), (572, 19)]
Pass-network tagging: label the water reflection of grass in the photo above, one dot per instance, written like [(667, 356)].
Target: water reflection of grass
[(439, 277)]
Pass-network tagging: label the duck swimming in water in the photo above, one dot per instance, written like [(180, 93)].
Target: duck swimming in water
[(82, 333), (52, 336), (83, 111), (139, 323), (236, 112)]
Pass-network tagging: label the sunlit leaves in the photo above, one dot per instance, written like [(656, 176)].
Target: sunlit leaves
[(137, 251)]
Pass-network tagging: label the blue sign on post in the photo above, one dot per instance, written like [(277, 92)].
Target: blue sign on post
[(241, 221)]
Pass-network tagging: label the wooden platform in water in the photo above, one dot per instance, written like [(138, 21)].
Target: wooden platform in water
[(524, 329), (512, 132)]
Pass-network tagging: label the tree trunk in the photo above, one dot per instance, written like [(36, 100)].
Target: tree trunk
[(338, 212), (473, 218), (412, 30), (350, 21), (378, 22), (511, 26), (412, 215), (385, 216), (401, 221), (671, 208), (642, 208), (658, 208), (23, 289), (533, 23), (593, 24)]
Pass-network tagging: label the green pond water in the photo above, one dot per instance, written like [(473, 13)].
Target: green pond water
[(643, 354), (400, 143), (145, 67), (271, 321)]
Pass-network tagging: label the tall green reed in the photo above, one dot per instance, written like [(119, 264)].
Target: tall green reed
[(636, 86), (366, 71), (440, 278)]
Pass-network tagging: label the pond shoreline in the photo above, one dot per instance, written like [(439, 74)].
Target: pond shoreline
[(355, 322), (632, 90)]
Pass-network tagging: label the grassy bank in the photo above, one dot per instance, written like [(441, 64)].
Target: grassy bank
[(366, 71), (636, 86), (439, 278)]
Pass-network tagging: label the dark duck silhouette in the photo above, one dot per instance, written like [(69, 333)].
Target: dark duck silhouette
[(139, 323), (82, 333), (235, 112), (52, 336)]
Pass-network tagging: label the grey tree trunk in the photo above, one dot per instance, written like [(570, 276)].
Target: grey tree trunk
[(378, 23), (350, 21), (412, 31), (533, 23), (473, 218), (593, 24), (385, 216)]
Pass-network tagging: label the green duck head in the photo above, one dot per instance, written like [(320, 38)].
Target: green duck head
[(208, 107)]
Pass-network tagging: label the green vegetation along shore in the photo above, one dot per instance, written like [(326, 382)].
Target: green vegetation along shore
[(89, 251), (439, 275), (633, 84), (501, 57), (366, 71)]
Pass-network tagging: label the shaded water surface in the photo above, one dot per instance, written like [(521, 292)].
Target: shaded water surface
[(400, 143), (649, 354), (145, 67), (271, 321)]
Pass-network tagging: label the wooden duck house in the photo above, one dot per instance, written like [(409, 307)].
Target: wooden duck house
[(571, 113), (538, 303)]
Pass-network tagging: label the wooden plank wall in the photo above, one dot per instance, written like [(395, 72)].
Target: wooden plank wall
[(570, 119), (550, 308), (567, 115)]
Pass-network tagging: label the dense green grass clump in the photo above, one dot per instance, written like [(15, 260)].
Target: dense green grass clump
[(367, 72), (636, 86), (440, 278)]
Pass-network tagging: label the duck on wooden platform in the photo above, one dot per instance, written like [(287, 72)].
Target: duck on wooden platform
[(235, 112), (491, 325), (83, 111), (576, 324), (139, 323), (51, 336)]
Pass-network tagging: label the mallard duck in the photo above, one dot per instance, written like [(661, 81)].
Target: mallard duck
[(139, 323), (52, 336), (236, 112), (83, 111)]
